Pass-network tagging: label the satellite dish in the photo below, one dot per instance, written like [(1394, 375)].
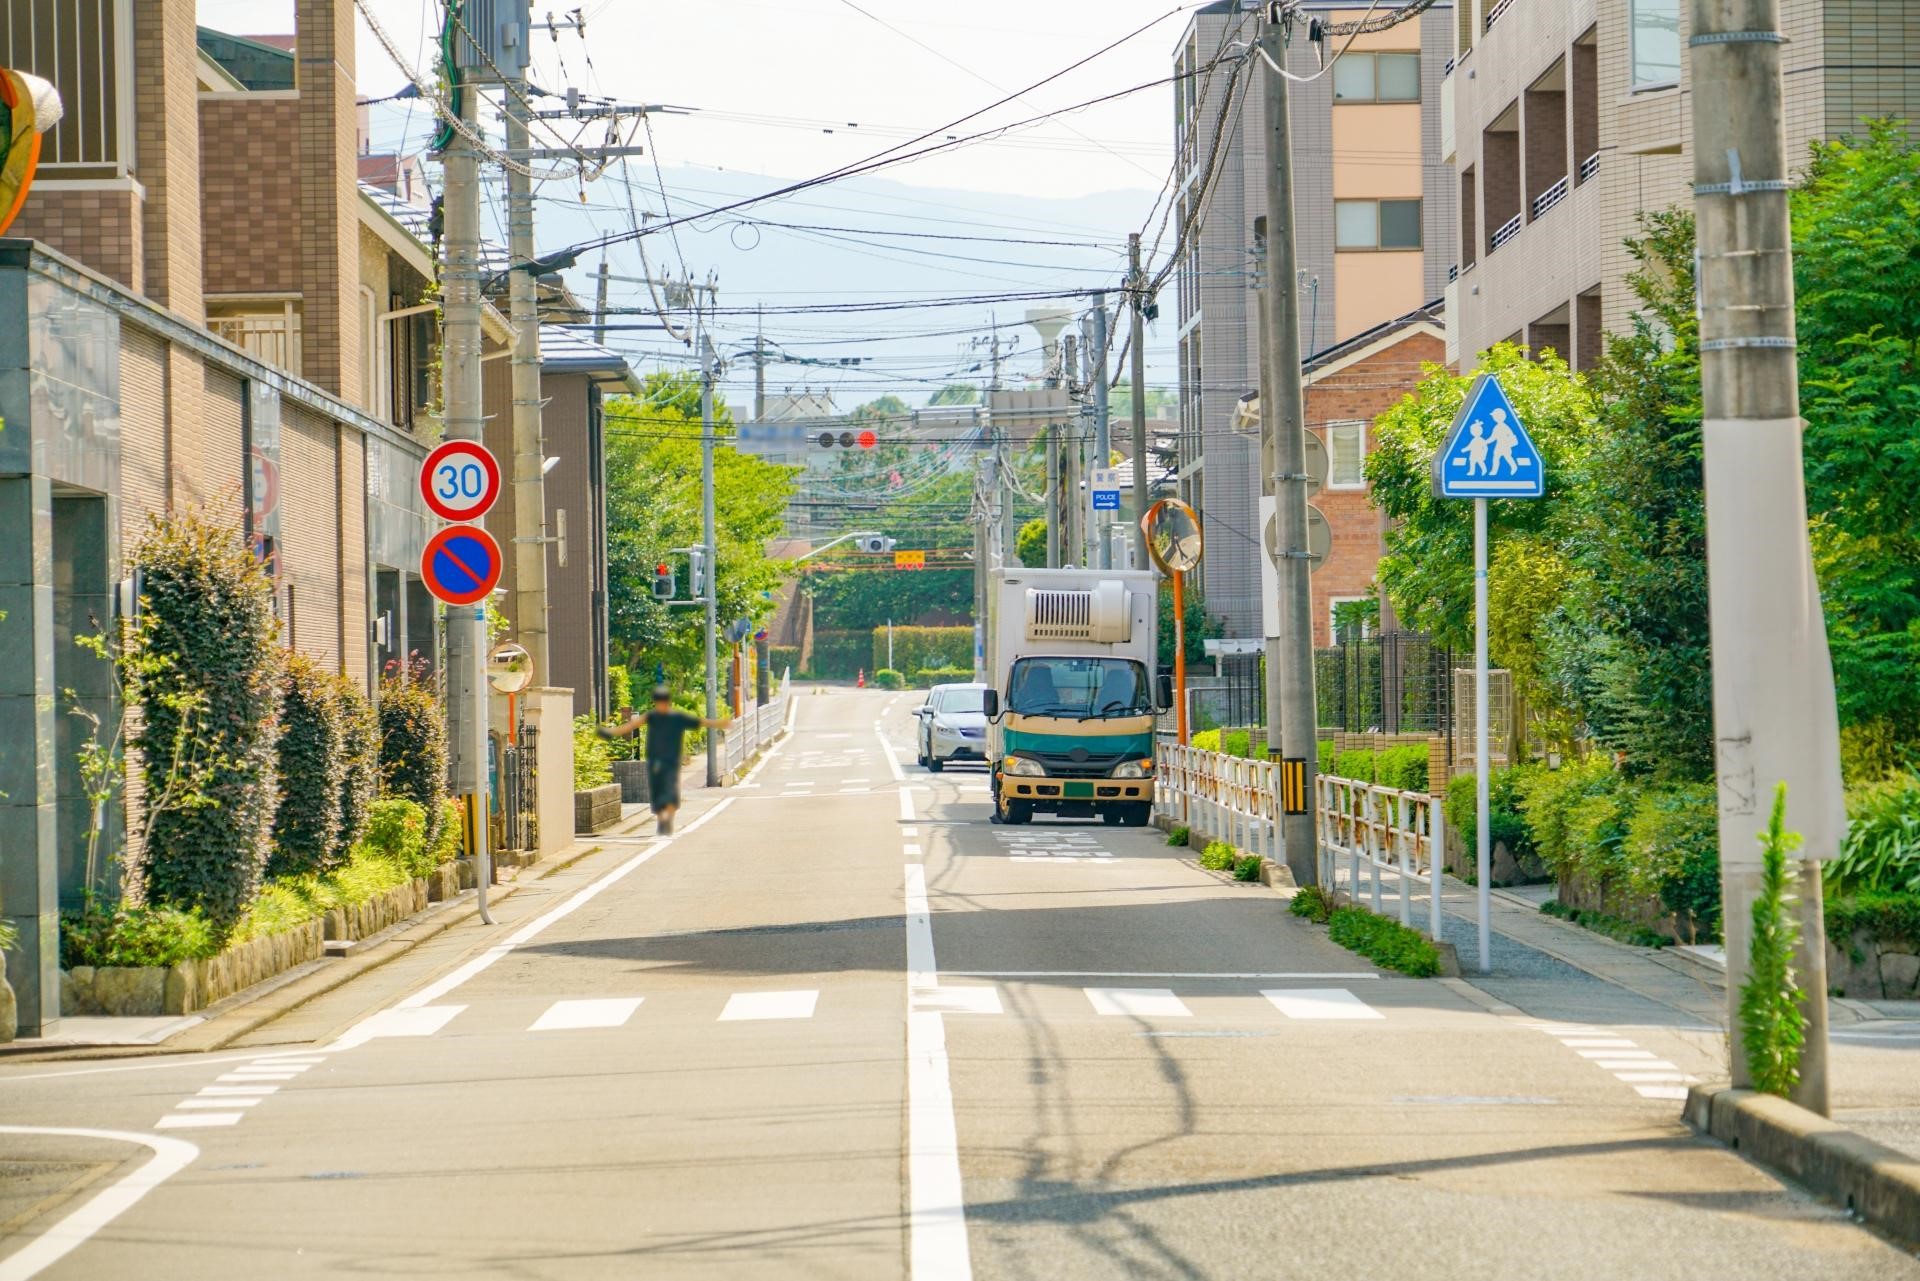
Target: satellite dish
[(509, 668), (1173, 534)]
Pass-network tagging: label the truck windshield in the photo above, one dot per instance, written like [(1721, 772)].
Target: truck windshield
[(1087, 688)]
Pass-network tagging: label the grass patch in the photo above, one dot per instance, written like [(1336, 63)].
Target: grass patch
[(134, 936), (1311, 902), (1179, 835), (1246, 868), (1384, 941), (294, 900), (1217, 857), (1613, 927)]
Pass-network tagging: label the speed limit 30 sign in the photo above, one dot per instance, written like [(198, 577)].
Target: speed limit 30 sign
[(460, 480)]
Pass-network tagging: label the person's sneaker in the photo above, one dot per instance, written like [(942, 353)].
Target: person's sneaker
[(663, 827)]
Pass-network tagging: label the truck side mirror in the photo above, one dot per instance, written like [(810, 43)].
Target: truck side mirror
[(990, 702), (1163, 693)]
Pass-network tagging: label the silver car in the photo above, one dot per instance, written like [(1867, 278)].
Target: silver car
[(953, 726)]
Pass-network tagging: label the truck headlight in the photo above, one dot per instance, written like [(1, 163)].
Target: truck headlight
[(1022, 766), (1133, 769)]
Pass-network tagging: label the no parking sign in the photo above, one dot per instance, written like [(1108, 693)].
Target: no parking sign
[(461, 564)]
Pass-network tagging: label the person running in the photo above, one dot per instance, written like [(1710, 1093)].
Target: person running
[(666, 743)]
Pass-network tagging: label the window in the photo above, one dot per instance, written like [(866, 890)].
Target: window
[(1346, 455), (1376, 224), (1654, 42), (1351, 616), (1377, 77), (961, 700), (1078, 688)]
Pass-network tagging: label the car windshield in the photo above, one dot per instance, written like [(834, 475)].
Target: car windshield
[(1079, 687), (959, 700)]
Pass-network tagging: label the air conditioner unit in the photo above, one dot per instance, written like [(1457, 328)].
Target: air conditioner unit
[(1098, 614)]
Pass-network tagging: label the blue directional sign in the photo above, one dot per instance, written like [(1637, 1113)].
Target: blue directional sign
[(1488, 453), (1106, 490)]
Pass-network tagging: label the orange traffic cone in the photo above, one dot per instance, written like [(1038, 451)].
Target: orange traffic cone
[(860, 681)]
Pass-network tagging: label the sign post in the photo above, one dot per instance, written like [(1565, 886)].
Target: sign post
[(1175, 543), (1487, 454)]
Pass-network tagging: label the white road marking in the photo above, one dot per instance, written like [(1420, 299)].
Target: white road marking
[(855, 791), (909, 831), (237, 1078), (1342, 975), (906, 804), (198, 1120), (959, 1000), (260, 1091), (402, 1020), (1138, 1002), (603, 1012), (309, 1062), (1615, 1054), (294, 1069), (886, 754), (936, 1205), (198, 1102), (1598, 1043), (912, 849), (744, 1006), (856, 780), (1662, 1091), (1320, 1003), (427, 995), (1649, 1064), (170, 1156), (1680, 1078)]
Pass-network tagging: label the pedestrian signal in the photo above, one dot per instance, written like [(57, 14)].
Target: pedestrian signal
[(663, 585)]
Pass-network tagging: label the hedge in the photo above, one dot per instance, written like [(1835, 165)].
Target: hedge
[(204, 670), (413, 748), (592, 765), (888, 678), (918, 647), (782, 659), (930, 676), (312, 770), (360, 775), (1882, 917), (838, 655)]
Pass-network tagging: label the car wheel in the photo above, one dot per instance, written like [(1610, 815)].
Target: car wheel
[(935, 764)]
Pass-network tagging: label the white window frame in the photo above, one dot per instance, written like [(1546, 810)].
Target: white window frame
[(1633, 58), (1360, 424), (1376, 247), (1373, 58), (1333, 626)]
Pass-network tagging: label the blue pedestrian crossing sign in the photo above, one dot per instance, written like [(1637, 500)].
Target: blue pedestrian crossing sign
[(1488, 453)]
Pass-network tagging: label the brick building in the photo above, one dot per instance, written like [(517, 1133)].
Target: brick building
[(1564, 121)]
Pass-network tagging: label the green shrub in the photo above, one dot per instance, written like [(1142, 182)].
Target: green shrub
[(451, 842), (1882, 847), (134, 936), (397, 830), (1324, 756), (1771, 1026), (1672, 851), (838, 654), (1881, 917), (1246, 868), (888, 678), (1207, 740), (917, 647), (9, 939), (1311, 902), (1550, 801), (1355, 763), (930, 676), (592, 767), (1217, 856), (294, 900), (204, 671), (619, 688), (413, 747), (1179, 835), (1613, 927), (312, 770), (782, 659), (1402, 768), (1384, 941), (360, 773)]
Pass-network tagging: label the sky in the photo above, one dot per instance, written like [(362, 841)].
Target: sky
[(780, 90)]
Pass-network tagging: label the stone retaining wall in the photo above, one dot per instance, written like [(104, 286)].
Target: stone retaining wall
[(631, 776), (1871, 969), (597, 808), (125, 991), (363, 920)]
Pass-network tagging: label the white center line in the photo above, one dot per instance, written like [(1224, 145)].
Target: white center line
[(886, 753), (936, 1203), (911, 849), (746, 1006)]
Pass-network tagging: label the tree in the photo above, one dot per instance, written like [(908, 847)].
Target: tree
[(1031, 545), (1161, 403), (956, 394), (654, 505)]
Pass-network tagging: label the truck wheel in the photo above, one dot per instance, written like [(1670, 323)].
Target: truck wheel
[(1113, 817), (1014, 812), (1137, 814)]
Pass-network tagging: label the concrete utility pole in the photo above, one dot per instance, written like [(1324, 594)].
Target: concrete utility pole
[(1102, 439), (528, 611), (1774, 716), (1053, 496), (600, 304), (460, 374), (709, 369), (1284, 423), (760, 367), (1136, 286), (1275, 653)]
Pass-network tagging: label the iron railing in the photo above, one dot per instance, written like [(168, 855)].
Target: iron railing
[(1505, 232), (1590, 166), (1220, 797), (1498, 12), (1387, 830), (1550, 197), (1393, 683), (756, 728)]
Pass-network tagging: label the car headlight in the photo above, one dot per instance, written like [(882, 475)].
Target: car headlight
[(1022, 766), (945, 727), (1133, 769)]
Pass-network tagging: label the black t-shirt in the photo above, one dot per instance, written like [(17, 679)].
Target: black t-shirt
[(666, 735)]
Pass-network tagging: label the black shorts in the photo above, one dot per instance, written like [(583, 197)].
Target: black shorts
[(663, 783)]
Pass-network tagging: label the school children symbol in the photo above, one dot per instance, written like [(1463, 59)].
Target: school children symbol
[(1487, 453)]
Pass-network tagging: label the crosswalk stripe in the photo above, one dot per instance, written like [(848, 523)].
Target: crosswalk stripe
[(201, 1104), (1138, 1002), (1320, 1003), (1629, 1053), (1597, 1043), (1648, 1064), (743, 1006), (601, 1012), (1662, 1091), (197, 1120)]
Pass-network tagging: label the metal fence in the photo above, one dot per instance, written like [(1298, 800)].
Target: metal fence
[(516, 822), (1381, 829), (1393, 683), (1220, 797), (756, 728)]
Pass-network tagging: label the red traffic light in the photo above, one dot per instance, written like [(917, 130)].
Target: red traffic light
[(868, 440)]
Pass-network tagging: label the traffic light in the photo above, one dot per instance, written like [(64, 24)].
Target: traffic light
[(663, 581), (874, 544), (848, 439), (697, 572)]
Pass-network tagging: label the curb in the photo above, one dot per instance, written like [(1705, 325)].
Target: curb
[(1869, 1180)]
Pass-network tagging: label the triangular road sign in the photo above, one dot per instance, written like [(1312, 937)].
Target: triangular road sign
[(1488, 453)]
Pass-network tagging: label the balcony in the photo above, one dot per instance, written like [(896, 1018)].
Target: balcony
[(1590, 166), (271, 336), (1550, 197), (1498, 12), (1505, 232), (1453, 273)]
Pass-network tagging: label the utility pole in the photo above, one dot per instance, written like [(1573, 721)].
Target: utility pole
[(1283, 422), (1774, 717), (1102, 440), (529, 608), (709, 369), (1073, 501), (983, 486), (1275, 654), (600, 304), (760, 365), (1053, 495), (1137, 285), (460, 374)]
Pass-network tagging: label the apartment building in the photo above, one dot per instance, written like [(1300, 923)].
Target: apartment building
[(1565, 119), (1374, 225)]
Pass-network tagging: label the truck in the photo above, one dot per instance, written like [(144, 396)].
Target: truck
[(1071, 693)]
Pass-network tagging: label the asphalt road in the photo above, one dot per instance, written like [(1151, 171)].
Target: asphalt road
[(841, 1026)]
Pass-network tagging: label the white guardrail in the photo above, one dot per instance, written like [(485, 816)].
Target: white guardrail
[(1385, 829), (753, 730), (1236, 800)]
